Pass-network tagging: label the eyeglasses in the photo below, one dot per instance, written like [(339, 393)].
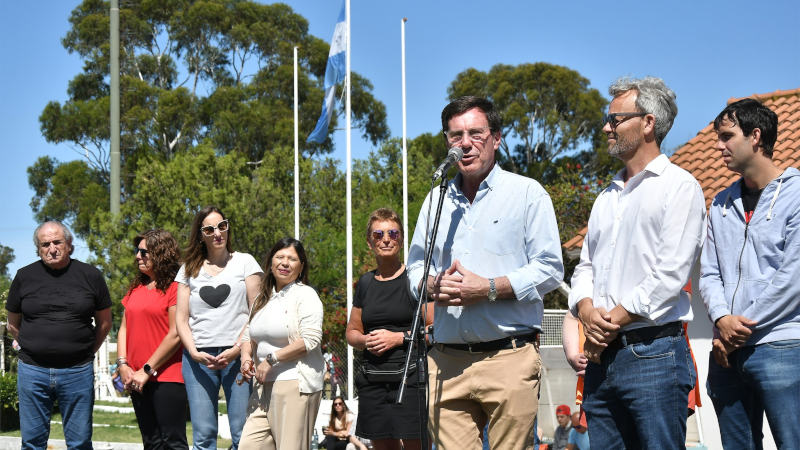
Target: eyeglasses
[(138, 250), (338, 404), (475, 135), (393, 234), (612, 120), (208, 230)]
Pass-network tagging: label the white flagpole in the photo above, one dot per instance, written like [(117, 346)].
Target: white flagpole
[(296, 158), (405, 161), (349, 206)]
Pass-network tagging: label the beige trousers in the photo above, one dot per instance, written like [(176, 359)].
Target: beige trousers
[(279, 417), (469, 389)]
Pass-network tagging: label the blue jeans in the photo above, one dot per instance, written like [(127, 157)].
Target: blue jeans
[(38, 387), (202, 389), (761, 378), (637, 396)]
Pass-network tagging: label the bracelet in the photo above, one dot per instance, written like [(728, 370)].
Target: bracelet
[(122, 361), (238, 344)]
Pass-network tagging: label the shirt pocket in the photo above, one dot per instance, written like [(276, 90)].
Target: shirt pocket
[(504, 236)]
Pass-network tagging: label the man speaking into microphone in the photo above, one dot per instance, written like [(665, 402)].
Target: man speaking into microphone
[(496, 254)]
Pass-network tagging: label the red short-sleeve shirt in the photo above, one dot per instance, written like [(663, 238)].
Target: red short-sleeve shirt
[(147, 323)]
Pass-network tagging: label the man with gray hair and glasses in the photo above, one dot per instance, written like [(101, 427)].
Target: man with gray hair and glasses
[(51, 304), (645, 233)]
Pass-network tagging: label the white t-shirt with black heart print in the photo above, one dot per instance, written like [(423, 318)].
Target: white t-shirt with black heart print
[(218, 304)]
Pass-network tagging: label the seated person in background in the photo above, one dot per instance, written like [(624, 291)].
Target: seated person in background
[(339, 431), (578, 436), (561, 435)]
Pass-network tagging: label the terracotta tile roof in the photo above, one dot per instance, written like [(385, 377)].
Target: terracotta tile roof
[(699, 157)]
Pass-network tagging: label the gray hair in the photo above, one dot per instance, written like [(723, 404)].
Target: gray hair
[(654, 97), (64, 230)]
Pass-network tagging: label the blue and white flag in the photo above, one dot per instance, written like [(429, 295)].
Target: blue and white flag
[(334, 74)]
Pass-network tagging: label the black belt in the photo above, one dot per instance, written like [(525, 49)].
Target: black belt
[(499, 344), (639, 335)]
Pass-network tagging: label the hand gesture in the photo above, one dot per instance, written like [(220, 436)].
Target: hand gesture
[(261, 372), (444, 288), (247, 370), (379, 341), (735, 330), (472, 288), (203, 358), (140, 378), (126, 373), (592, 352), (578, 362), (720, 352), (226, 357), (597, 326)]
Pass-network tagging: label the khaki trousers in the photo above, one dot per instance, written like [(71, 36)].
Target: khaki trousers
[(469, 389), (280, 417)]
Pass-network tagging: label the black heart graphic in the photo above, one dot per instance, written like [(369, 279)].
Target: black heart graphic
[(214, 296)]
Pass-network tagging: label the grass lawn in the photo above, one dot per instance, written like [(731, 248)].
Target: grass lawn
[(114, 427)]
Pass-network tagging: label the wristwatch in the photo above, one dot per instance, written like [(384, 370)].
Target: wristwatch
[(492, 290), (149, 370), (272, 360)]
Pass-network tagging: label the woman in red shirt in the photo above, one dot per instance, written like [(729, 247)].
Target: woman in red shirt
[(148, 344)]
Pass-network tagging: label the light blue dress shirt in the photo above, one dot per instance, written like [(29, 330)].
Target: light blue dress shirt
[(508, 230)]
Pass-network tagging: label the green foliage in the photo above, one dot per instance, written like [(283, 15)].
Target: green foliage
[(8, 391), (68, 191), (6, 258), (206, 111), (206, 118), (214, 72), (572, 196), (334, 319), (5, 284)]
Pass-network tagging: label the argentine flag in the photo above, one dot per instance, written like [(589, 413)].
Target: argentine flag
[(334, 74)]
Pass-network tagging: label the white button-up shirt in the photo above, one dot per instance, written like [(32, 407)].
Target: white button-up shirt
[(643, 238)]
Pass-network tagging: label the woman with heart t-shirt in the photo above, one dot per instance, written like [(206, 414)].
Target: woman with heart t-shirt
[(216, 288)]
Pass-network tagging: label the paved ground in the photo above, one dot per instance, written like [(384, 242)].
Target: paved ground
[(13, 443)]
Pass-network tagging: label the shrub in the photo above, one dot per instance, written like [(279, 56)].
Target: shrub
[(8, 391)]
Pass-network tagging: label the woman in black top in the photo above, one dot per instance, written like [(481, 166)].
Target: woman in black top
[(381, 318)]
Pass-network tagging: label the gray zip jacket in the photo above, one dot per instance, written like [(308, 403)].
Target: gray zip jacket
[(753, 269)]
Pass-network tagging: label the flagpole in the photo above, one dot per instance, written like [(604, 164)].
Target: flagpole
[(296, 158), (349, 204), (405, 152)]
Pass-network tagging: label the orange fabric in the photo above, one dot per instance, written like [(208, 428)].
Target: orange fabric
[(579, 386), (694, 394)]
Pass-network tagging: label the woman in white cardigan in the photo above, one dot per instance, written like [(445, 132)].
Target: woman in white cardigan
[(283, 355)]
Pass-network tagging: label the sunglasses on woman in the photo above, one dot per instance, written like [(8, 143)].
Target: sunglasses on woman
[(208, 230), (138, 250), (393, 234)]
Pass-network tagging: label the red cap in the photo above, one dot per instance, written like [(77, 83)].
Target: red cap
[(562, 410)]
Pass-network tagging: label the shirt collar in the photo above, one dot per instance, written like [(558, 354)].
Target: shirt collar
[(657, 167), (489, 182)]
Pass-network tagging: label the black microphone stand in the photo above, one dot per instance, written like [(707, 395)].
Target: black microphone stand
[(417, 339)]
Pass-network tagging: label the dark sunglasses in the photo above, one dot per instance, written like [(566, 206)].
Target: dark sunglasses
[(338, 404), (138, 250), (612, 119), (208, 230), (393, 234)]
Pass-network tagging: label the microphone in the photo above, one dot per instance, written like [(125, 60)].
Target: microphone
[(454, 155)]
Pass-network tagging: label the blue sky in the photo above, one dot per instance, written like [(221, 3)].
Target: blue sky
[(707, 52)]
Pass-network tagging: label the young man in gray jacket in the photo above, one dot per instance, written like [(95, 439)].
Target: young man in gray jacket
[(750, 283)]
